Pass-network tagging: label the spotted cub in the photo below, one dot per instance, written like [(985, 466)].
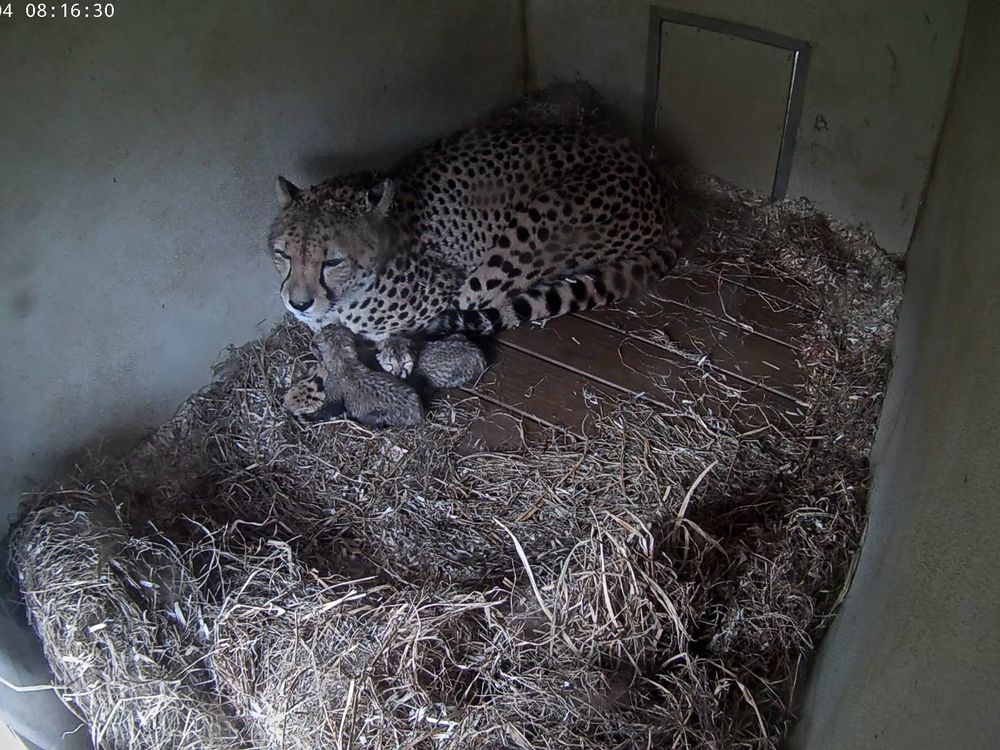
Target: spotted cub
[(483, 231), (342, 384)]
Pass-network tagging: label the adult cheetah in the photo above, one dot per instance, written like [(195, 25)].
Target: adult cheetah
[(483, 231)]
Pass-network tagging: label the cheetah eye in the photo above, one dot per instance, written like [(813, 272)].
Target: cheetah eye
[(280, 254), (332, 262)]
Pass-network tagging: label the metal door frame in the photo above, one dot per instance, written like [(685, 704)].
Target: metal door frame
[(796, 86)]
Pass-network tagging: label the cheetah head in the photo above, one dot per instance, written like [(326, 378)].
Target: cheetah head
[(328, 241)]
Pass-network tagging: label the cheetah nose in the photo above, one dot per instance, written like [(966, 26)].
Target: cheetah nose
[(301, 306)]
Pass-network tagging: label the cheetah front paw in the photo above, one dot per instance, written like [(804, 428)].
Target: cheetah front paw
[(397, 356)]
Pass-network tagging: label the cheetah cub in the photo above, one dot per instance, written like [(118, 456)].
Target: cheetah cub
[(342, 384)]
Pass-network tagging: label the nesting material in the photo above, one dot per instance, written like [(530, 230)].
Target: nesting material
[(243, 581)]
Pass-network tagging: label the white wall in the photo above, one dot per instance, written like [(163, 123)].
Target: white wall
[(883, 109), (913, 660), (139, 155)]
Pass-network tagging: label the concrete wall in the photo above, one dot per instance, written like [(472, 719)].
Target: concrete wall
[(875, 97), (139, 155), (913, 660)]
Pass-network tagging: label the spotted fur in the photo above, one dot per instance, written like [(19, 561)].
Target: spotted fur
[(484, 231), (341, 384)]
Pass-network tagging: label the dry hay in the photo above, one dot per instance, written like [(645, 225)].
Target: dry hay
[(244, 581)]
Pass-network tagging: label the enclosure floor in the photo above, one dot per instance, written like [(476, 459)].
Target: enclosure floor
[(689, 340)]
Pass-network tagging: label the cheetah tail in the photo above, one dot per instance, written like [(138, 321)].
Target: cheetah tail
[(582, 291)]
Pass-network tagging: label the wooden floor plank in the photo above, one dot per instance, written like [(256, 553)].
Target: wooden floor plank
[(733, 302), (606, 356), (627, 363), (779, 292), (722, 345), (494, 428), (543, 391)]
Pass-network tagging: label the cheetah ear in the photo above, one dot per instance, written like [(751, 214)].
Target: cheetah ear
[(286, 191), (380, 196)]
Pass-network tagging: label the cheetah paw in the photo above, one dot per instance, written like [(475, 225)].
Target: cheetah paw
[(396, 356), (311, 398)]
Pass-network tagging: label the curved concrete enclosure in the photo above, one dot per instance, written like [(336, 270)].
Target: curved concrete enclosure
[(139, 155)]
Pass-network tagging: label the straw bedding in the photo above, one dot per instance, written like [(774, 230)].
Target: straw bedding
[(242, 581)]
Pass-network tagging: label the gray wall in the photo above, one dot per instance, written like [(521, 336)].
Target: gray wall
[(913, 660), (139, 155), (879, 78)]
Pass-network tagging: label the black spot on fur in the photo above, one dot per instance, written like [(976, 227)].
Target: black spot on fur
[(522, 309), (553, 301), (600, 289), (492, 316)]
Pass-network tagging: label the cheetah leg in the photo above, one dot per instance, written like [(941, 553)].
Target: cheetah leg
[(397, 355)]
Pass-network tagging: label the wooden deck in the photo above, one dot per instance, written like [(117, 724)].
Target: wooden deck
[(722, 345)]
